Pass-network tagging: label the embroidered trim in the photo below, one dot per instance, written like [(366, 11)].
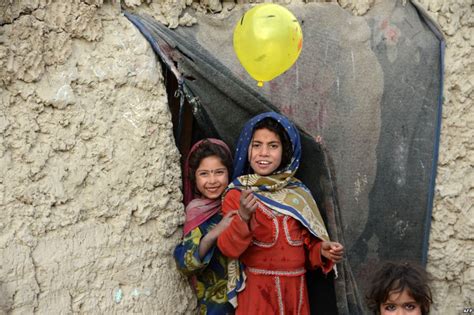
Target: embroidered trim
[(268, 212), (287, 233), (266, 272), (300, 302), (277, 230), (280, 299)]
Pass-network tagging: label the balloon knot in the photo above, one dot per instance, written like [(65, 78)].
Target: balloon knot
[(260, 83)]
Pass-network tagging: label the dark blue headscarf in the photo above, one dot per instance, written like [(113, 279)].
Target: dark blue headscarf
[(241, 163)]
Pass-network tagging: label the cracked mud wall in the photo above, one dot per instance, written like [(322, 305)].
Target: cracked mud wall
[(90, 199), (90, 204)]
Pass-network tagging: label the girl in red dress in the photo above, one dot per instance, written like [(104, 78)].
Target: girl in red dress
[(278, 232)]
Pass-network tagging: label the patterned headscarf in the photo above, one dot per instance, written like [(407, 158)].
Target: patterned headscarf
[(198, 209), (280, 191)]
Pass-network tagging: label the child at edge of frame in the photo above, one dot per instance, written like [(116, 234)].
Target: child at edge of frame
[(399, 288)]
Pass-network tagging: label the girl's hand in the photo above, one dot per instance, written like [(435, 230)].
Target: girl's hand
[(211, 238), (224, 223), (248, 204), (332, 250)]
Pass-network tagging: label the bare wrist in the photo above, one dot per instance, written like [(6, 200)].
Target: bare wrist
[(246, 220), (213, 234)]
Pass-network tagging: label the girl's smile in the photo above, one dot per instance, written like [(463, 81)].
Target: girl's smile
[(211, 177)]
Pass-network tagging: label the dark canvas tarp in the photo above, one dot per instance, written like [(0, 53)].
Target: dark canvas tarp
[(366, 94)]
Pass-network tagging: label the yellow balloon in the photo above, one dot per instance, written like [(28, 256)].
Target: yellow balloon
[(267, 40)]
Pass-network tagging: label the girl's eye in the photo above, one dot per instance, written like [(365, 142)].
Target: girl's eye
[(274, 146), (255, 145), (203, 174), (219, 172), (390, 307), (410, 306)]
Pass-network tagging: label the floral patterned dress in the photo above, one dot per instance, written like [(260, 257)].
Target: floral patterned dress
[(209, 274)]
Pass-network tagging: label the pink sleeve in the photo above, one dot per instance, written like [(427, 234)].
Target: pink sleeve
[(234, 240)]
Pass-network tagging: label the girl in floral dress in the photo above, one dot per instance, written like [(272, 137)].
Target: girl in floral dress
[(206, 174)]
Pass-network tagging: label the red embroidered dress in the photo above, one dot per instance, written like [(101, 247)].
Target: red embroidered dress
[(284, 236), (276, 250)]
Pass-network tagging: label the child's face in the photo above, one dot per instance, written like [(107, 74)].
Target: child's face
[(211, 177), (265, 152), (400, 303)]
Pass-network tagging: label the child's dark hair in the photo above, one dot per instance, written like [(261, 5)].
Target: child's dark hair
[(397, 277), (287, 148), (204, 150)]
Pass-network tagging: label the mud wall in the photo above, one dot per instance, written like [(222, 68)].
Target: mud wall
[(90, 201)]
